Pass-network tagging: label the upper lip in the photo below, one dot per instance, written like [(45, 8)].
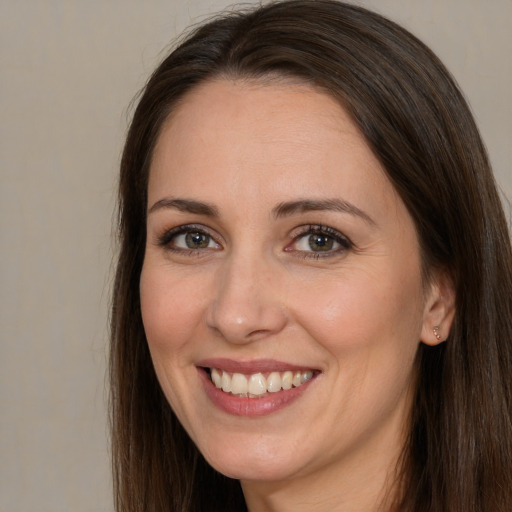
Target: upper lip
[(252, 366)]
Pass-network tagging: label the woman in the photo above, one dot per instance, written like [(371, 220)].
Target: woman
[(312, 307)]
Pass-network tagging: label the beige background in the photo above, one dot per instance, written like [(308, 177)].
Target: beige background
[(69, 69)]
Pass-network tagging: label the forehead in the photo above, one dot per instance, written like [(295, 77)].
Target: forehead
[(272, 129)]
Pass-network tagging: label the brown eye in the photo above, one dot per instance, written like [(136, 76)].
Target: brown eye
[(316, 241), (188, 238), (320, 242), (197, 240)]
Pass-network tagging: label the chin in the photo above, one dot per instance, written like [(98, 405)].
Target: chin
[(254, 460), (251, 470)]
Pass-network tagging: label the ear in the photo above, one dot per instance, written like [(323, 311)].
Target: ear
[(439, 310)]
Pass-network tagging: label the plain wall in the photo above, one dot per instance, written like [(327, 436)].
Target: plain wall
[(69, 69)]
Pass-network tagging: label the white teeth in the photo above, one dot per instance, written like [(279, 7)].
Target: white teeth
[(274, 382), (226, 382), (216, 378), (306, 376), (238, 384), (287, 380), (257, 385)]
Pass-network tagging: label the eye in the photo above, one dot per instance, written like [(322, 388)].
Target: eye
[(188, 238), (194, 240), (319, 241), (316, 242)]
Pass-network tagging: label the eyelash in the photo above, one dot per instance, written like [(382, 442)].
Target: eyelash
[(165, 240), (318, 229)]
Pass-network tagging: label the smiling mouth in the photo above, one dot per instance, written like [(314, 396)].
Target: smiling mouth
[(258, 385)]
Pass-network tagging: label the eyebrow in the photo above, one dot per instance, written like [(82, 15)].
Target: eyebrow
[(285, 209), (185, 205), (308, 205)]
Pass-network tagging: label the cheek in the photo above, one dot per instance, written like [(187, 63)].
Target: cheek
[(171, 312), (370, 328), (170, 309), (361, 310)]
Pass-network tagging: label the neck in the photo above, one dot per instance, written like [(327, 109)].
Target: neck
[(361, 490)]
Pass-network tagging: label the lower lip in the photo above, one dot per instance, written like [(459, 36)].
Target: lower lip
[(251, 407)]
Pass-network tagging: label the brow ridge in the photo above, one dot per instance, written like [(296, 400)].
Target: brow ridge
[(289, 208), (186, 206), (284, 209)]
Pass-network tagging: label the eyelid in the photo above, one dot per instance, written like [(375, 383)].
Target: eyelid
[(165, 239), (311, 229)]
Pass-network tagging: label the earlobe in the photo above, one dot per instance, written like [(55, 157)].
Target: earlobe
[(439, 311)]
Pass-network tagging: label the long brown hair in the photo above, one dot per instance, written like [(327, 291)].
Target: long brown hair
[(458, 456)]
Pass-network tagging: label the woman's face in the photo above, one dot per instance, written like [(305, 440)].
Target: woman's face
[(281, 263)]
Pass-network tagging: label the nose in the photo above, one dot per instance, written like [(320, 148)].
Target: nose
[(247, 303)]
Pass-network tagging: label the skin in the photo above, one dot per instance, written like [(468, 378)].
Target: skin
[(258, 290)]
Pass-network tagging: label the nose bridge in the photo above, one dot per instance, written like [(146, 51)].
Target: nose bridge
[(246, 303)]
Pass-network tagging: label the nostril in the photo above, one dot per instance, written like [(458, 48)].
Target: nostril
[(258, 333)]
